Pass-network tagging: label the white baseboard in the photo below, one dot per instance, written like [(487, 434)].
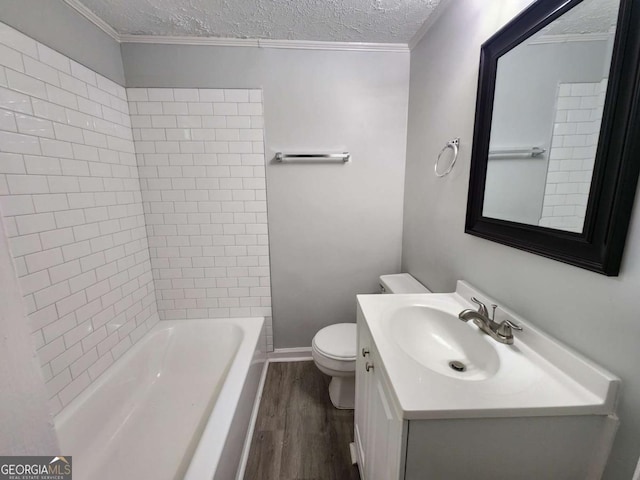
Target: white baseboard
[(252, 424), (354, 455), (298, 354)]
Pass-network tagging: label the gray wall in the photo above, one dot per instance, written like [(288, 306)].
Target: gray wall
[(60, 27), (333, 228), (596, 315)]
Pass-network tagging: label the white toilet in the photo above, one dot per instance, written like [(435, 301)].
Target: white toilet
[(334, 347)]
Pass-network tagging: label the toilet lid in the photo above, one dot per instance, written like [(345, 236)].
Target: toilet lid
[(337, 341)]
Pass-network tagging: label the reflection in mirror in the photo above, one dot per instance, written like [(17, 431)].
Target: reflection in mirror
[(548, 103)]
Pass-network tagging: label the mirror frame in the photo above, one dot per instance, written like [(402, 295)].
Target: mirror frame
[(617, 164)]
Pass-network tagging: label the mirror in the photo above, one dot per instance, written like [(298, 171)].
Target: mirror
[(556, 106), (547, 110)]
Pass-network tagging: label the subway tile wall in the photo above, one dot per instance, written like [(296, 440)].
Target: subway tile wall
[(71, 202), (571, 158), (202, 173)]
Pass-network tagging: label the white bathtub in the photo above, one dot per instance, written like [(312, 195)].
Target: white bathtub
[(177, 405)]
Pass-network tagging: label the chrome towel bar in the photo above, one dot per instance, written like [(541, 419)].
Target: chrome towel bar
[(532, 152), (338, 157)]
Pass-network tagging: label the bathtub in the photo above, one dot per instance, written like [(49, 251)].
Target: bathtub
[(176, 405)]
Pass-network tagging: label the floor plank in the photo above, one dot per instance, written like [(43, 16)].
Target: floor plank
[(299, 434)]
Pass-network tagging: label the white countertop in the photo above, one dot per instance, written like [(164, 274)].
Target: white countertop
[(537, 376)]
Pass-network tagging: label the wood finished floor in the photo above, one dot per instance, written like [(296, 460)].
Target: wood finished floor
[(299, 435)]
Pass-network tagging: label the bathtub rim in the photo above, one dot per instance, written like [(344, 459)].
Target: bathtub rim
[(205, 459), (207, 454)]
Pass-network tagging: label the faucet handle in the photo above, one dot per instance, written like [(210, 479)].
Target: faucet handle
[(513, 325), (482, 308), (505, 331)]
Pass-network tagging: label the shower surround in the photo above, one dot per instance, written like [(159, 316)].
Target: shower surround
[(72, 207), (74, 199), (202, 174)]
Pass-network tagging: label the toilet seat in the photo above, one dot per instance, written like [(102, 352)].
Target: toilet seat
[(334, 352), (336, 342)]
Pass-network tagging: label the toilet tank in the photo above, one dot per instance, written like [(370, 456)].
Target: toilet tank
[(401, 283)]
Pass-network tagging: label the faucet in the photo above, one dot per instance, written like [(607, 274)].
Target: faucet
[(501, 332)]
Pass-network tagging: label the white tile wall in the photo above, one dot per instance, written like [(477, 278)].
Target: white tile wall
[(571, 158), (202, 173), (71, 201)]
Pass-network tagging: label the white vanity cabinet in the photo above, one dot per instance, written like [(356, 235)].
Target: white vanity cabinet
[(394, 442), (379, 428)]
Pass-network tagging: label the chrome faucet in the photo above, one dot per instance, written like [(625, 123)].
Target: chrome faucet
[(501, 332)]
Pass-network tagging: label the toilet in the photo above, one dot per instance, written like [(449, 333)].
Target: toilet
[(334, 347)]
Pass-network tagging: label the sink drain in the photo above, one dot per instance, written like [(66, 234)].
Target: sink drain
[(457, 366)]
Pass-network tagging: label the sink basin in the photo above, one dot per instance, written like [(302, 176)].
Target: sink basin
[(443, 343), (417, 336)]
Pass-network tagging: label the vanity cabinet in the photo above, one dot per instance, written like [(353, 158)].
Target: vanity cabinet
[(379, 428), (391, 445)]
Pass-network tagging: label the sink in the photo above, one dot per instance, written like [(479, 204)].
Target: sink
[(436, 396), (418, 336), (441, 342)]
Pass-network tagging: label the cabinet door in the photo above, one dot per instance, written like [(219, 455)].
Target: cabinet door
[(379, 431), (383, 445), (363, 388)]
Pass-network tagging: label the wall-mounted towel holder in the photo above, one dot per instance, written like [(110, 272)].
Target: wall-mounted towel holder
[(453, 145), (343, 157), (509, 153)]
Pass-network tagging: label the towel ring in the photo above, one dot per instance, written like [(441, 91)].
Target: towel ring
[(453, 144)]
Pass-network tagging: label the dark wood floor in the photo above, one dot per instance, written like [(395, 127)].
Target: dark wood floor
[(299, 435)]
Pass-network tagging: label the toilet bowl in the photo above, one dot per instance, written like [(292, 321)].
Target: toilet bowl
[(334, 352), (334, 347)]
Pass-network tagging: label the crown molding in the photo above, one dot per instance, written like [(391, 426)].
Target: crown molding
[(93, 18), (344, 46), (234, 42), (186, 40), (266, 43), (571, 37)]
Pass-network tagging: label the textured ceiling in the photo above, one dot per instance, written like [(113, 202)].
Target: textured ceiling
[(383, 21)]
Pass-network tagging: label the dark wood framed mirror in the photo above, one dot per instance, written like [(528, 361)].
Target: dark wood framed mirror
[(556, 145)]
